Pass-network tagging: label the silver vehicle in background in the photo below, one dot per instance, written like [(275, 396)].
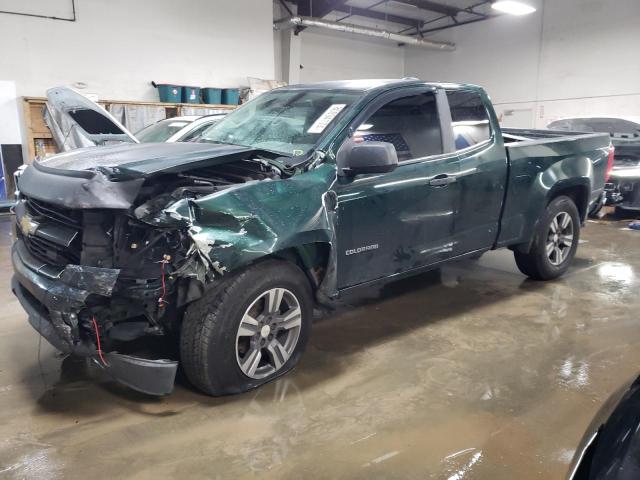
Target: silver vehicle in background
[(623, 187), (178, 129)]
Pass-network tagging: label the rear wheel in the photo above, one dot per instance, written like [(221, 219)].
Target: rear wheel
[(555, 242), (248, 331)]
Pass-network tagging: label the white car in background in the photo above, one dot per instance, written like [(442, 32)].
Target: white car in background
[(76, 121), (177, 129)]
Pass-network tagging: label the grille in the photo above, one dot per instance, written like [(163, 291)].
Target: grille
[(51, 252), (62, 215), (45, 249)]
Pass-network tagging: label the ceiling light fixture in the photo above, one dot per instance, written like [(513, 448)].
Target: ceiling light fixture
[(513, 7)]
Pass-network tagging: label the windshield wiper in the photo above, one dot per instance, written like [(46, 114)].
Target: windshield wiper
[(217, 142)]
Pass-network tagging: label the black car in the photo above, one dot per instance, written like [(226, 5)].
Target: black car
[(610, 448), (623, 188)]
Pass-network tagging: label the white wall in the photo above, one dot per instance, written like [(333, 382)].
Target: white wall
[(317, 55), (117, 47), (9, 118), (338, 56), (570, 58), (573, 57), (47, 8), (499, 54)]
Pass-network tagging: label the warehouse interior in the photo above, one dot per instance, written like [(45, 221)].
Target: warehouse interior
[(467, 366)]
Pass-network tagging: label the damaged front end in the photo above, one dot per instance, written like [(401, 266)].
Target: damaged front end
[(105, 256)]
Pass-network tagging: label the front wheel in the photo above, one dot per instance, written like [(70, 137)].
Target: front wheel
[(555, 241), (250, 330)]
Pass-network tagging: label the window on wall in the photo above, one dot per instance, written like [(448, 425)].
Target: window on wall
[(410, 123), (469, 119)]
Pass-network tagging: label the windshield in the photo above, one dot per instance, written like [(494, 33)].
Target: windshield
[(288, 122), (161, 131)]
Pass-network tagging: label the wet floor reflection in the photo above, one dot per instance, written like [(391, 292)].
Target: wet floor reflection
[(471, 372)]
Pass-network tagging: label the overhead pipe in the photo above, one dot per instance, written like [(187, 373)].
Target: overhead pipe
[(300, 21)]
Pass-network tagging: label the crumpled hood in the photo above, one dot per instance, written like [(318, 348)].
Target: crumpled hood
[(111, 177), (147, 158)]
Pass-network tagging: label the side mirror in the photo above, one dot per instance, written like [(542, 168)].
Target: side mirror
[(366, 157)]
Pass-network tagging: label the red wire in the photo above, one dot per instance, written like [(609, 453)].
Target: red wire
[(95, 327)]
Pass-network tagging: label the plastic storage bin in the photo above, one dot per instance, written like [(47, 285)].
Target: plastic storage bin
[(212, 96), (169, 93), (230, 96), (190, 94)]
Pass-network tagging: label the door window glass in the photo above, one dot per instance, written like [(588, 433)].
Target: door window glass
[(411, 124), (469, 119)]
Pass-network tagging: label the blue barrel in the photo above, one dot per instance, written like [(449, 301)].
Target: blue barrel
[(169, 93), (212, 96), (230, 96), (190, 94)]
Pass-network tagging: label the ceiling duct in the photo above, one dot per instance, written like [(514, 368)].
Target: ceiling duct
[(299, 21)]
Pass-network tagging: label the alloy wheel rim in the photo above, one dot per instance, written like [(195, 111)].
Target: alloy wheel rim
[(268, 333), (559, 238)]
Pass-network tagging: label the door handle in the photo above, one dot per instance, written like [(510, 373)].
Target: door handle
[(442, 180)]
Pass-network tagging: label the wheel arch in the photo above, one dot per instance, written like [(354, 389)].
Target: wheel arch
[(577, 190), (312, 258)]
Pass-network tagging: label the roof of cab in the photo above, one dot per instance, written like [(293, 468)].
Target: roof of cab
[(358, 85), (366, 85)]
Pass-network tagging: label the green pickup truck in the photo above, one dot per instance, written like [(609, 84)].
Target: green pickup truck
[(301, 195)]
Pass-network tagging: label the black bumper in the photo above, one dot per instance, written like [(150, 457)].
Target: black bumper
[(624, 191), (41, 322), (53, 297)]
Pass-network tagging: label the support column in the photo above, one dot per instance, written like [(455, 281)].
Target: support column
[(291, 56)]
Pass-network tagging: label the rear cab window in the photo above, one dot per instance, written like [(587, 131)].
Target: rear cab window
[(469, 119)]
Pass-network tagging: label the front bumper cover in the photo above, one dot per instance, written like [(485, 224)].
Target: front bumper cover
[(52, 295)]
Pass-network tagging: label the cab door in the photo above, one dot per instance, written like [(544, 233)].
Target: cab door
[(402, 220), (482, 177)]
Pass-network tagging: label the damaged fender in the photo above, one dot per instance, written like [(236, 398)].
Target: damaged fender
[(235, 227)]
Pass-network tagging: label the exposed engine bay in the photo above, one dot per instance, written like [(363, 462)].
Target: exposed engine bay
[(129, 270)]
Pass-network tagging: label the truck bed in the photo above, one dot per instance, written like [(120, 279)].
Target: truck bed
[(514, 135), (539, 159)]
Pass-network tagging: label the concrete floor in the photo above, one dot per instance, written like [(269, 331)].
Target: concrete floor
[(473, 373)]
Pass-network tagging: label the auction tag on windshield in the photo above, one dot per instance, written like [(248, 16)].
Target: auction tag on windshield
[(325, 119)]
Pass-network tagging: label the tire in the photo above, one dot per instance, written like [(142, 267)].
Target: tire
[(538, 263), (214, 348)]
